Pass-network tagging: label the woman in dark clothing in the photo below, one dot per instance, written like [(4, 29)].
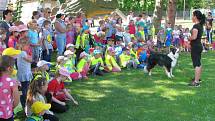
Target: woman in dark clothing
[(196, 46)]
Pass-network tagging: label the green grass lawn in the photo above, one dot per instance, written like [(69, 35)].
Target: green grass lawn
[(134, 96)]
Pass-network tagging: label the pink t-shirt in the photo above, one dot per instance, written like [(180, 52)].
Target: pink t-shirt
[(6, 100), (12, 42)]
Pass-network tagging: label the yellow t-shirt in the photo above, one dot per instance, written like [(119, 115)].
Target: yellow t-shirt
[(81, 65)]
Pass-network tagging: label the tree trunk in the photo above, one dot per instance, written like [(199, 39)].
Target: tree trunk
[(157, 16), (171, 11)]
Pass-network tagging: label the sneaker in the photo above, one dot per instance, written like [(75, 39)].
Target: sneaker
[(194, 79), (194, 84)]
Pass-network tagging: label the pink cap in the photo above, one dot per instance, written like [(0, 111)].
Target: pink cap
[(14, 29), (63, 71), (23, 28)]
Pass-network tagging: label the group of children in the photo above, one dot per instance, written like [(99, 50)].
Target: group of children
[(113, 48)]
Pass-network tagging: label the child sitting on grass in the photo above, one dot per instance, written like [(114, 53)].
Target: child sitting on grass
[(59, 93), (38, 109), (110, 61), (97, 64), (38, 92), (83, 65), (70, 65), (43, 67)]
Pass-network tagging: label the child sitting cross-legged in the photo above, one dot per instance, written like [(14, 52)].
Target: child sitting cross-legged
[(70, 65), (59, 93), (97, 64), (110, 61), (83, 65)]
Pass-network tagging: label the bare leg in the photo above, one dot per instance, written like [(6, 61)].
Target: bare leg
[(198, 71)]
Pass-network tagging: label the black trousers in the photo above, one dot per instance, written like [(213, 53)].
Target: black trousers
[(58, 108), (50, 117)]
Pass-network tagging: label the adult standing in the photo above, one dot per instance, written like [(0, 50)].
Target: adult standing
[(60, 35), (209, 25), (35, 15), (46, 16), (6, 24), (196, 47)]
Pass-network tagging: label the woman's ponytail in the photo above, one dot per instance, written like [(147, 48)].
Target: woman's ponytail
[(203, 19)]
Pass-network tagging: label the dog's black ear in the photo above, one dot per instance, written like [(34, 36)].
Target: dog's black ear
[(173, 50)]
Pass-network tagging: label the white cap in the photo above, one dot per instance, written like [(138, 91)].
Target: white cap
[(68, 52), (60, 58), (42, 62), (70, 45)]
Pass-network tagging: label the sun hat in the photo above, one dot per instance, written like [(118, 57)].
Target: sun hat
[(14, 29), (42, 62), (70, 45), (83, 54), (68, 52), (63, 71), (23, 28), (39, 107), (11, 52)]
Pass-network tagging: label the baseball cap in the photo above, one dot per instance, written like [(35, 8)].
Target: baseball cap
[(38, 107), (42, 62), (14, 29), (68, 52), (96, 52), (70, 45), (11, 52), (60, 58), (23, 28)]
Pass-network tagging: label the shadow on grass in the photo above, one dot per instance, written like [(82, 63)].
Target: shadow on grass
[(134, 96)]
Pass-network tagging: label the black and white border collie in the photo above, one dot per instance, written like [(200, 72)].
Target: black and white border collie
[(167, 61)]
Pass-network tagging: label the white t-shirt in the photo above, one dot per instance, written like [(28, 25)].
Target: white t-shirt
[(186, 36), (118, 31), (176, 33)]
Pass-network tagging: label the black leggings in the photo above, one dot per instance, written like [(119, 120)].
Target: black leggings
[(196, 52), (50, 117)]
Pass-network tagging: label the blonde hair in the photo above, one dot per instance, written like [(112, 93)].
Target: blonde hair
[(30, 23), (35, 88)]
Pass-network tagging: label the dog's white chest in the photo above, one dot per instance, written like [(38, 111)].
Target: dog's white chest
[(174, 59)]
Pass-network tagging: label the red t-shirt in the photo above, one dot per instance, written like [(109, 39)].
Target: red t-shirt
[(132, 29), (57, 89)]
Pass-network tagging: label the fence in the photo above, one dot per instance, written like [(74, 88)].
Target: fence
[(186, 15)]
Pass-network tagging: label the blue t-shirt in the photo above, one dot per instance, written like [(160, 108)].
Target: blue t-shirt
[(33, 36)]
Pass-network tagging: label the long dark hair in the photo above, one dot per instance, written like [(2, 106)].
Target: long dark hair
[(35, 88), (5, 62), (201, 17)]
